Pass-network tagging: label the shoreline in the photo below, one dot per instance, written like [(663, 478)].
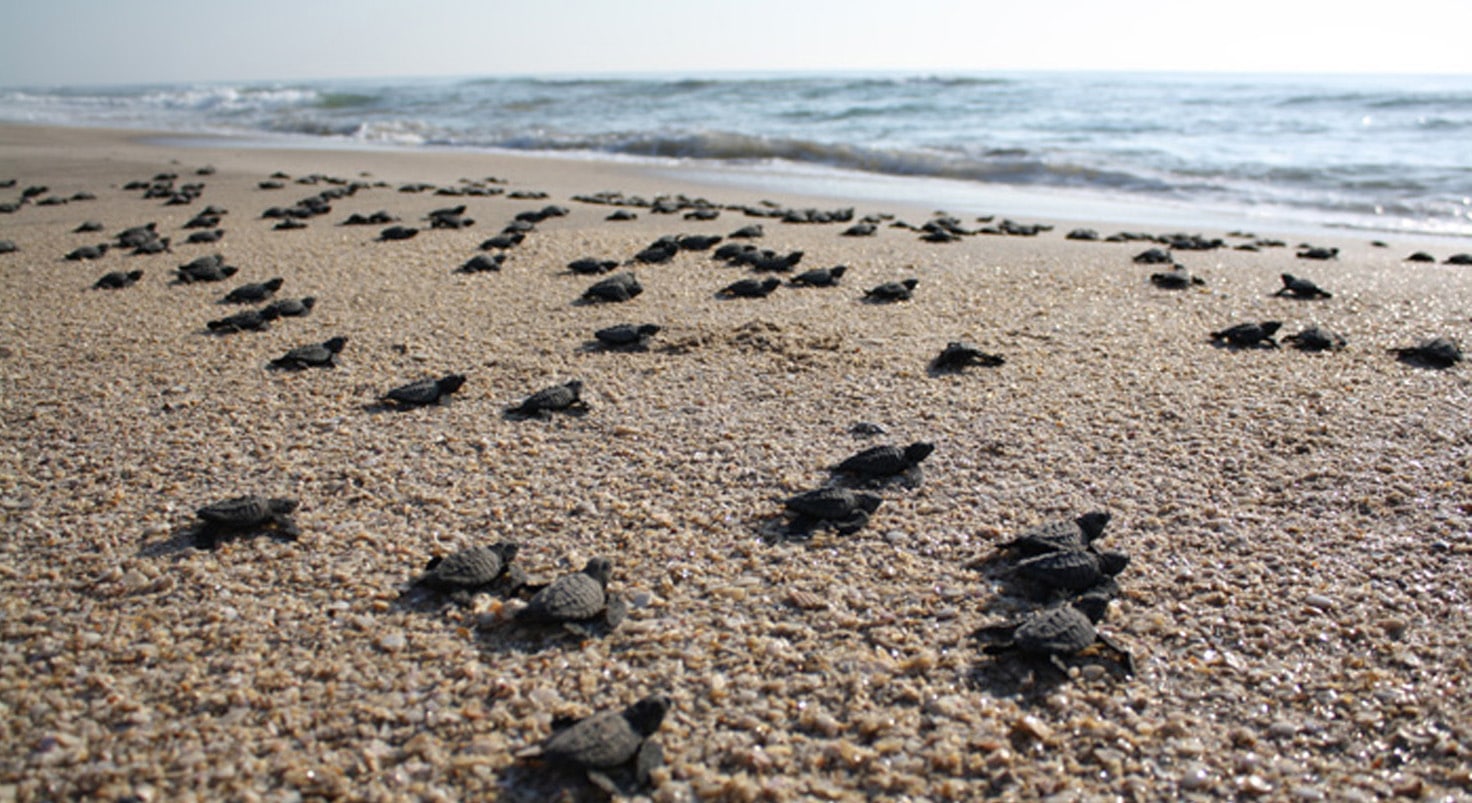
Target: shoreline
[(1297, 523)]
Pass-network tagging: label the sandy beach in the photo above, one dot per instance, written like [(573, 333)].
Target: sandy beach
[(1299, 524)]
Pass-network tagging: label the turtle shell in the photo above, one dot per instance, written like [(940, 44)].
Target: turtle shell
[(609, 738), (1073, 570), (572, 597), (426, 391), (557, 397), (1061, 630), (832, 503), (245, 511), (1060, 536), (882, 461), (469, 568), (625, 334)]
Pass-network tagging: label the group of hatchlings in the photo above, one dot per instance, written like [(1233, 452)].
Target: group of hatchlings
[(1057, 563)]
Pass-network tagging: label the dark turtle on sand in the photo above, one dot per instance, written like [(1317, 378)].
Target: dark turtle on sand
[(747, 232), (1065, 535), (1086, 235), (620, 215), (613, 748), (87, 226), (87, 252), (243, 515), (251, 293), (558, 398), (397, 233), (425, 391), (892, 291), (137, 235), (1058, 631), (469, 570), (1420, 256), (845, 510), (879, 463), (156, 246), (698, 242), (289, 307), (248, 320), (1438, 352), (819, 277), (958, 355), (626, 335), (1310, 252), (481, 263), (8, 247), (750, 288), (1458, 259), (589, 266), (290, 224), (860, 230), (503, 241), (210, 268), (1176, 279), (212, 236), (1071, 569), (618, 287), (1247, 335), (1154, 256), (116, 280), (323, 355), (1316, 338), (1301, 288), (580, 599)]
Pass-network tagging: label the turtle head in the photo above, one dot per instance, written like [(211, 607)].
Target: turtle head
[(600, 569), (769, 285), (910, 283), (1270, 327), (309, 302), (648, 329), (275, 284), (336, 344), (576, 386), (837, 271), (917, 451), (1093, 604), (1092, 524), (1112, 562), (868, 502), (646, 715), (135, 275), (506, 550), (281, 506), (1288, 279), (228, 270), (451, 382)]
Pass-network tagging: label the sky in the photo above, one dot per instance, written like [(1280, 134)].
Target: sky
[(87, 42)]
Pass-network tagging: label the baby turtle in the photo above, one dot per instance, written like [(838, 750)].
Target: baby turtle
[(1065, 535), (1310, 252), (1301, 288), (619, 215), (958, 355), (1438, 352), (618, 287), (323, 355), (591, 267), (480, 263), (116, 280), (1058, 631), (626, 336), (503, 241), (1176, 279), (205, 269), (289, 307), (1247, 335), (881, 463), (1316, 338), (843, 509), (470, 570), (749, 288), (397, 233), (579, 601), (1154, 256), (87, 252), (860, 230), (1420, 256), (610, 746), (698, 242), (1458, 259), (891, 291), (242, 515), (248, 321), (1071, 569), (558, 398), (156, 246), (212, 236), (251, 293), (747, 232), (87, 226), (819, 277), (425, 391)]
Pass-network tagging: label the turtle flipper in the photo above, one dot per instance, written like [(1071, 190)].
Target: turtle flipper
[(1126, 658)]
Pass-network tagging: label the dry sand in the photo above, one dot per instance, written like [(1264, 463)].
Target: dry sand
[(1300, 524)]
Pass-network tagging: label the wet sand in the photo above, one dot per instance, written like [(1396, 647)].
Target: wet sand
[(1300, 525)]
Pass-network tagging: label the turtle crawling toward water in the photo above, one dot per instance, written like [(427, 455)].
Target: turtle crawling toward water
[(579, 602), (1071, 570), (885, 463), (243, 515), (116, 280), (1178, 278), (841, 508), (319, 355), (567, 397), (1438, 352), (614, 748), (1058, 631), (958, 355), (1316, 338), (891, 291), (471, 570), (626, 336), (1064, 535), (425, 391), (1296, 287), (1249, 335), (616, 288)]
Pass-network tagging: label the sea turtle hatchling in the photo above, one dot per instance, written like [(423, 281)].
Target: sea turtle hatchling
[(242, 515), (618, 287), (1297, 287), (1316, 338), (319, 355), (1064, 535), (557, 398), (626, 336), (1247, 335), (425, 391), (610, 746), (289, 307), (892, 291), (1438, 352), (116, 280), (580, 601), (472, 569), (247, 321), (844, 509), (1071, 570), (881, 463), (1178, 278), (819, 277), (1061, 630), (958, 355), (749, 288), (251, 293)]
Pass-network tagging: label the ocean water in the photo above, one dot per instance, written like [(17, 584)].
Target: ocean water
[(1375, 153)]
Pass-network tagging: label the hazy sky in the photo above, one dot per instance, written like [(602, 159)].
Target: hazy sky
[(51, 42)]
